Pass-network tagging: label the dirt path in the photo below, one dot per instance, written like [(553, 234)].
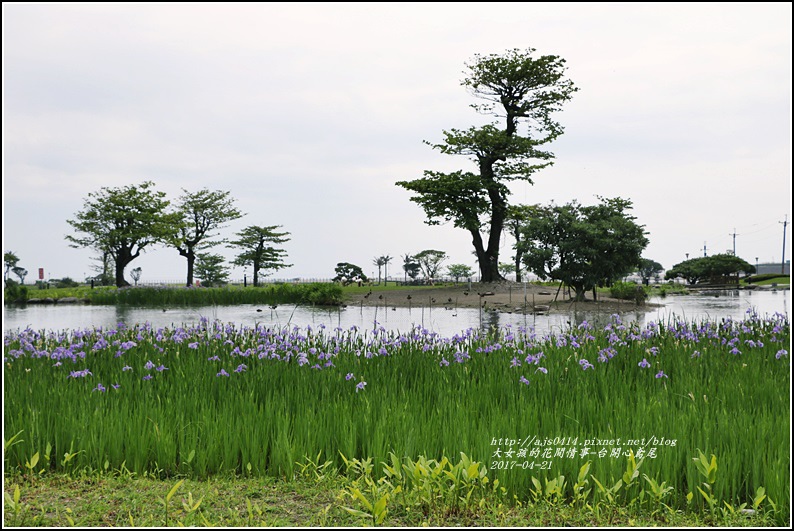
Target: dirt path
[(508, 297)]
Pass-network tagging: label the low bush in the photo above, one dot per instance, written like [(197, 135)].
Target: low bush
[(627, 291)]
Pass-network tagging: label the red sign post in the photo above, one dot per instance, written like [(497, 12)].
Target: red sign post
[(41, 273)]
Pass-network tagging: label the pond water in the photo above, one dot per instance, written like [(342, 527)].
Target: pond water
[(718, 305)]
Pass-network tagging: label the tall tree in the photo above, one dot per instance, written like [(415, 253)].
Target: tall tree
[(430, 262), (10, 260), (123, 222), (203, 213), (21, 272), (522, 92), (255, 251), (136, 274), (410, 267), (583, 246), (386, 260), (648, 269), (457, 271), (517, 216), (378, 261)]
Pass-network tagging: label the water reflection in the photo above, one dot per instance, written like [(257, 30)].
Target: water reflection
[(446, 322)]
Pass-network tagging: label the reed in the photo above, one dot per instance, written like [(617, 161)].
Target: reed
[(313, 293)]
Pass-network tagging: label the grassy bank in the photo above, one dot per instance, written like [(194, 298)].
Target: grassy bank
[(636, 406), (314, 498), (313, 293)]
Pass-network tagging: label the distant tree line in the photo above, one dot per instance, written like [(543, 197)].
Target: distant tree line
[(121, 223)]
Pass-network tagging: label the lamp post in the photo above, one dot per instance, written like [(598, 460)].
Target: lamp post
[(756, 265), (245, 278)]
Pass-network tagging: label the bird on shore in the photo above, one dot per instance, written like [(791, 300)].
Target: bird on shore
[(368, 294), (466, 293)]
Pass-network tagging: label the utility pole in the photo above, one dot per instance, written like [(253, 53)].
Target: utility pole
[(783, 258), (734, 241)]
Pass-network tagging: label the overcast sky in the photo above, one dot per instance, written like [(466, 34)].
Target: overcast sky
[(309, 113)]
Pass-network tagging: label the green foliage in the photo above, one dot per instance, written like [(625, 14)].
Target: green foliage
[(430, 261), (412, 405), (758, 279), (382, 262), (123, 222), (458, 271), (627, 291), (20, 272), (347, 273), (649, 269), (719, 269), (211, 270), (583, 246), (14, 292), (202, 214), (10, 260), (64, 282), (518, 89), (255, 252), (411, 267), (518, 216), (312, 293)]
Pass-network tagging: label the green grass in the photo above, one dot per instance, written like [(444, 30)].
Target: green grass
[(781, 280), (199, 418), (119, 500)]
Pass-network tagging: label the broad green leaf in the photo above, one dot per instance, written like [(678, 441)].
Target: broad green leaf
[(173, 490)]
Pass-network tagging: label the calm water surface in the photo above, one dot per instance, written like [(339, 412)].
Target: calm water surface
[(733, 304)]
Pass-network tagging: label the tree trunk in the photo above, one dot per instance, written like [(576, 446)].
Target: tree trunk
[(123, 258), (191, 260), (518, 265), (490, 266), (579, 293)]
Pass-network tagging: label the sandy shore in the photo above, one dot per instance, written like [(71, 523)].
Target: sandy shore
[(508, 297)]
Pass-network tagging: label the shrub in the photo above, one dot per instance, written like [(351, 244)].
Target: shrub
[(65, 282), (14, 292), (627, 291)]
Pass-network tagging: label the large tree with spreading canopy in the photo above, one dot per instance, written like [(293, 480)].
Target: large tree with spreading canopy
[(123, 222), (203, 213), (521, 92)]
